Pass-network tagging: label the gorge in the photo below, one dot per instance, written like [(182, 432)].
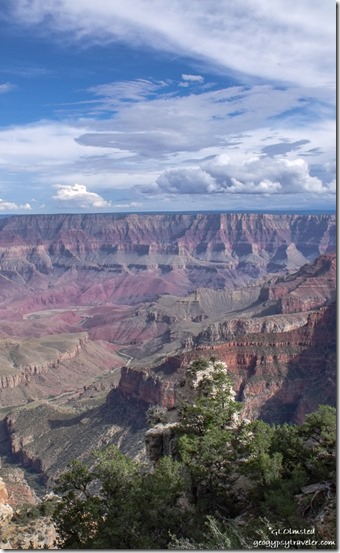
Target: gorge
[(100, 315)]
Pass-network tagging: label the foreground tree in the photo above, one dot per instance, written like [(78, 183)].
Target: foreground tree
[(120, 505)]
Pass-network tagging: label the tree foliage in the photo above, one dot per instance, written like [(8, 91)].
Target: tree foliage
[(119, 504)]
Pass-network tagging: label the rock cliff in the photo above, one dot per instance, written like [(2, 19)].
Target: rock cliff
[(147, 388), (282, 376), (283, 364)]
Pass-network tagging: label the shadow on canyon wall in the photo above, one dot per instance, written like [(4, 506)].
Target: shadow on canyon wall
[(311, 376)]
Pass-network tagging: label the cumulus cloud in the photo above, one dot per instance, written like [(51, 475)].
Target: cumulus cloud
[(186, 181), (256, 175), (77, 195), (11, 206)]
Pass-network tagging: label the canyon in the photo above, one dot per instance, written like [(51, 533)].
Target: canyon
[(101, 315)]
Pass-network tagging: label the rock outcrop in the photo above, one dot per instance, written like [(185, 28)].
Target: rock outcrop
[(140, 385), (6, 511), (279, 375), (160, 441)]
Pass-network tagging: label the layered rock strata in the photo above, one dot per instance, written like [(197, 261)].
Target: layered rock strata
[(58, 260), (279, 376)]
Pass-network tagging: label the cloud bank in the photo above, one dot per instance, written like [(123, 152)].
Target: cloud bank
[(257, 175)]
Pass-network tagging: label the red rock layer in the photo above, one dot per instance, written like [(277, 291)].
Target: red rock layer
[(283, 376)]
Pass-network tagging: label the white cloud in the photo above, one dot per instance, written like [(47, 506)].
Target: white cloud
[(127, 90), (193, 78), (186, 181), (102, 180), (77, 195), (190, 80), (153, 135), (51, 150), (6, 87), (158, 126), (29, 147), (283, 40), (11, 206)]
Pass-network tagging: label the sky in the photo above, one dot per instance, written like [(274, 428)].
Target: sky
[(158, 105)]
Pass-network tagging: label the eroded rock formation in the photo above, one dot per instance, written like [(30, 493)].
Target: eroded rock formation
[(58, 260), (279, 376)]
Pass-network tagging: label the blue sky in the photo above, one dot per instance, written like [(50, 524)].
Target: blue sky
[(152, 105)]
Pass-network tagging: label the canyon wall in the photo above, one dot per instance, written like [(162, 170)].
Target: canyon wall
[(280, 377), (256, 291), (55, 260)]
